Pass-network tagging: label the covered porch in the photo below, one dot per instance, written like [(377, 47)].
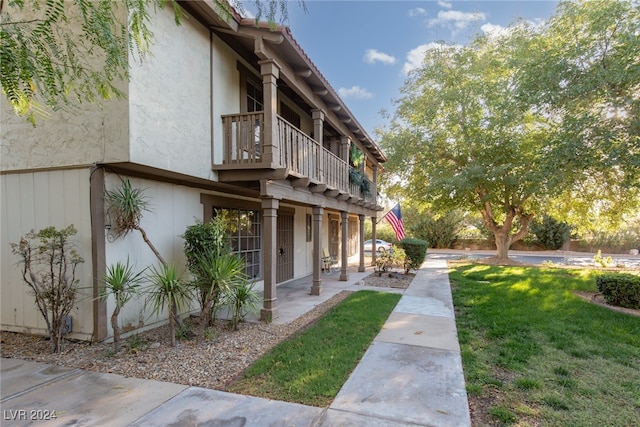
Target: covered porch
[(295, 298)]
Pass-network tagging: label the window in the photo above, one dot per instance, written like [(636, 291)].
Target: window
[(255, 98), (289, 115), (251, 96), (245, 233)]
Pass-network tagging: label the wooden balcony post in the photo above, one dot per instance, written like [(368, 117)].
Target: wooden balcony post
[(345, 143), (343, 245), (270, 73), (316, 287), (318, 136), (374, 190)]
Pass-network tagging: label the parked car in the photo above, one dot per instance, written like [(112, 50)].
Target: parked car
[(381, 246)]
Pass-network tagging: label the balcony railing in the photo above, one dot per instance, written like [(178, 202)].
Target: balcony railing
[(300, 154)]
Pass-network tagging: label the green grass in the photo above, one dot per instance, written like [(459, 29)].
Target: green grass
[(544, 355), (311, 367)]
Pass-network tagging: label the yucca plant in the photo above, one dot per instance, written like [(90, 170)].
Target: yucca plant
[(168, 290), (242, 299), (123, 283), (215, 275), (126, 205)]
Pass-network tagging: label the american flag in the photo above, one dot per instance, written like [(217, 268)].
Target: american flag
[(395, 219)]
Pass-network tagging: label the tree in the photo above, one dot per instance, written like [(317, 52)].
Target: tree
[(460, 138), (583, 68), (49, 64), (513, 124)]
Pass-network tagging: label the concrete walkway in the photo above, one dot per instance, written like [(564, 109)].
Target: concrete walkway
[(410, 375)]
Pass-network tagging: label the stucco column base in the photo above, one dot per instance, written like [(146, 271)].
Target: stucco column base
[(316, 287), (344, 277)]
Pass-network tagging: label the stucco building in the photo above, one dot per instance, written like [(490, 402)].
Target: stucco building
[(225, 115)]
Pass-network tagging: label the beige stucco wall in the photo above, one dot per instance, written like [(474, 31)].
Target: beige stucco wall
[(79, 135), (171, 209), (66, 139), (37, 200), (170, 109), (225, 90)]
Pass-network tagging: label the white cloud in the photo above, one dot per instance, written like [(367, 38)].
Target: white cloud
[(354, 92), (494, 30), (459, 20), (445, 4), (415, 57), (372, 55), (418, 11)]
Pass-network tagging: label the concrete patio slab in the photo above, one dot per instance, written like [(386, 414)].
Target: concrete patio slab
[(418, 330), (85, 398), (402, 383), (198, 406)]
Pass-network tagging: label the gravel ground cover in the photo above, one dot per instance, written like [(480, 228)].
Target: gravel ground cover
[(214, 364)]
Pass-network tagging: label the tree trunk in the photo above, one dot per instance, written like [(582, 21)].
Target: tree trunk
[(116, 328), (174, 309), (172, 331), (503, 242)]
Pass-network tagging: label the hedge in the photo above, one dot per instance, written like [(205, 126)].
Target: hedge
[(622, 290), (415, 250)]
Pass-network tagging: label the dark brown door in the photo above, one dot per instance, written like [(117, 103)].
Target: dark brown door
[(334, 236), (284, 249)]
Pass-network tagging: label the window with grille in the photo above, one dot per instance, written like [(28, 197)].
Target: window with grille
[(245, 234), (255, 98)]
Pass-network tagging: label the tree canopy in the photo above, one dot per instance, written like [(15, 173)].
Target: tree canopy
[(48, 63), (512, 121)]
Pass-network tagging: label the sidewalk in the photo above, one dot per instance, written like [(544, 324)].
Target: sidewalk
[(410, 375)]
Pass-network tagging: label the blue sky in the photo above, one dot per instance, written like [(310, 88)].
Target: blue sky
[(365, 47)]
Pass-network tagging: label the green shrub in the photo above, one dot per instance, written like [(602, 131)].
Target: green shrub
[(201, 238), (550, 233), (387, 260), (439, 232), (415, 250), (622, 290)]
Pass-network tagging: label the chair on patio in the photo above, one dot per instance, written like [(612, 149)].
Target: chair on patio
[(328, 261)]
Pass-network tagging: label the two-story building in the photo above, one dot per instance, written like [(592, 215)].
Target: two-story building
[(225, 115)]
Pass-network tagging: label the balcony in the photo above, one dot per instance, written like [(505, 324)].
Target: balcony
[(295, 156)]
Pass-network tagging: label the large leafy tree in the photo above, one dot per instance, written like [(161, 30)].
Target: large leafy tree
[(583, 68), (48, 63), (512, 125), (461, 138)]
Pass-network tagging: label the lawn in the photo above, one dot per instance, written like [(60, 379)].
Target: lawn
[(311, 367), (536, 354)]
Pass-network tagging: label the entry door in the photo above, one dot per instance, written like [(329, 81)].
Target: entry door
[(284, 249), (334, 236)]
